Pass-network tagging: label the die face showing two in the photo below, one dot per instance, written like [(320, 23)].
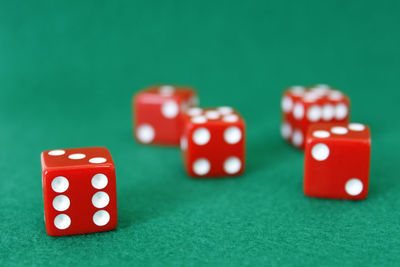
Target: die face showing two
[(158, 113), (337, 161), (213, 142), (79, 191), (305, 106)]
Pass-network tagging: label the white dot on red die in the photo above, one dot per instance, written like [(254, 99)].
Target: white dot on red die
[(298, 111), (225, 110), (232, 135), (314, 93), (194, 112), (335, 95), (286, 104), (60, 184), (354, 187), (62, 221), (169, 109), (100, 200), (212, 114), (320, 152), (230, 118), (57, 152), (145, 133), (341, 111), (320, 91), (314, 113), (321, 134), (97, 160), (101, 218), (311, 98), (77, 156), (328, 112), (232, 165), (166, 90), (286, 130), (199, 119), (339, 130), (201, 136), (61, 203), (356, 127), (99, 181), (297, 138), (201, 166)]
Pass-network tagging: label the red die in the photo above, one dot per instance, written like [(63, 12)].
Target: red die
[(302, 107), (213, 142), (79, 191), (337, 158), (158, 113)]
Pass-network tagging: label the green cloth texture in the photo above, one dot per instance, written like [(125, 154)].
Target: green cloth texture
[(68, 71)]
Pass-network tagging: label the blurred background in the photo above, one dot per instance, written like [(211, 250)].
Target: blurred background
[(68, 71)]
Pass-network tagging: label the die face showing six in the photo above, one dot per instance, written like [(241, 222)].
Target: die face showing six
[(213, 142), (337, 161), (158, 113), (304, 106), (79, 191)]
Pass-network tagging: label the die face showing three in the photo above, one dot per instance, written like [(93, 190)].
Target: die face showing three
[(213, 142), (158, 113), (304, 106), (337, 161), (79, 191)]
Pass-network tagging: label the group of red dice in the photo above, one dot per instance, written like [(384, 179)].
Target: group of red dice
[(212, 140), (337, 152), (79, 185)]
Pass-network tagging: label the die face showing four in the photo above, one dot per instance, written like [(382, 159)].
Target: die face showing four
[(158, 113), (213, 142), (79, 191), (337, 161), (304, 106)]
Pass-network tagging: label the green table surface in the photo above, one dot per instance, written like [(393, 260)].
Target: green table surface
[(68, 71)]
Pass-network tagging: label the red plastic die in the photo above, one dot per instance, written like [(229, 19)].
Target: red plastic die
[(304, 106), (79, 191), (158, 113), (213, 142), (337, 161)]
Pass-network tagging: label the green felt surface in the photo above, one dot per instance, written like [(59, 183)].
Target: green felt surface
[(67, 74)]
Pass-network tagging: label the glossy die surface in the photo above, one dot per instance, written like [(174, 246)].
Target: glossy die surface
[(303, 106), (79, 191), (158, 112), (213, 142), (337, 161)]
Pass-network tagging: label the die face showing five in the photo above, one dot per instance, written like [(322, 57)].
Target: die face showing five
[(79, 191), (213, 142), (304, 106), (337, 161), (158, 113)]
